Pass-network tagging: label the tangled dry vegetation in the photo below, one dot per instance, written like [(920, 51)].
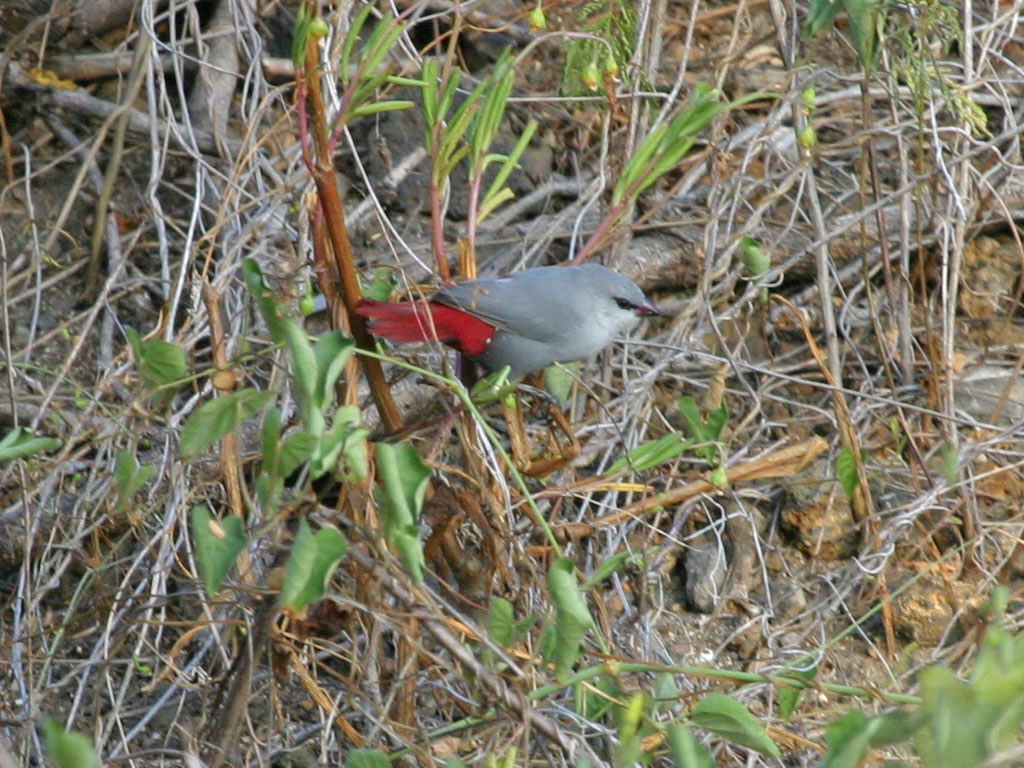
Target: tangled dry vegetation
[(871, 447)]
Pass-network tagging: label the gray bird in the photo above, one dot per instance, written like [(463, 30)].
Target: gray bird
[(526, 321)]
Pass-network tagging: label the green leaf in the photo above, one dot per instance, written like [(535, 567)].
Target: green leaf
[(665, 692), (608, 567), (296, 451), (395, 105), (20, 442), (705, 428), (819, 16), (351, 39), (726, 717), (270, 442), (331, 351), (848, 741), (652, 453), (286, 330), (496, 193), (846, 469), (629, 750), (865, 19), (300, 36), (686, 750), (216, 418), (500, 622), (955, 734), (217, 544), (404, 478), (367, 758), (311, 564), (162, 365), (950, 463), (345, 441), (592, 704), (755, 260), (895, 727), (382, 286), (129, 477), (492, 202), (790, 698), (68, 749), (572, 617), (558, 380), (488, 121)]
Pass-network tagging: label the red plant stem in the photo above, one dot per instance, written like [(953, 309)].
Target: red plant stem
[(344, 259), (437, 221), (597, 240)]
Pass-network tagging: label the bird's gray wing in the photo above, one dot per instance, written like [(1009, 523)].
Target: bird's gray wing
[(535, 304)]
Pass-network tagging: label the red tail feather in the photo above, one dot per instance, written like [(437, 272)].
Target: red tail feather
[(412, 321)]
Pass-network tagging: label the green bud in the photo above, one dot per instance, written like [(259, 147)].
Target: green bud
[(611, 67), (808, 138), (755, 259), (591, 77), (808, 97), (719, 478), (537, 20), (318, 28)]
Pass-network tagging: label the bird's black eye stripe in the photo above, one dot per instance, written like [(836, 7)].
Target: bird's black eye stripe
[(625, 304)]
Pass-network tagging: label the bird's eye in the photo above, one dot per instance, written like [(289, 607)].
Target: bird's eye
[(625, 304)]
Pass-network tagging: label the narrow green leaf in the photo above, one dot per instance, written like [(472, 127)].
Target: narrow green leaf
[(511, 162), (218, 417), (20, 442), (311, 564), (653, 453), (607, 568), (354, 30), (430, 103), (395, 105), (300, 36), (217, 544), (726, 717), (405, 82), (493, 202)]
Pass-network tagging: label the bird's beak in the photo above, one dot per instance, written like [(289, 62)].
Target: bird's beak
[(649, 308)]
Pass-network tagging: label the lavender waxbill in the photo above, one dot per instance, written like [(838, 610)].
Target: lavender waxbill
[(526, 321)]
